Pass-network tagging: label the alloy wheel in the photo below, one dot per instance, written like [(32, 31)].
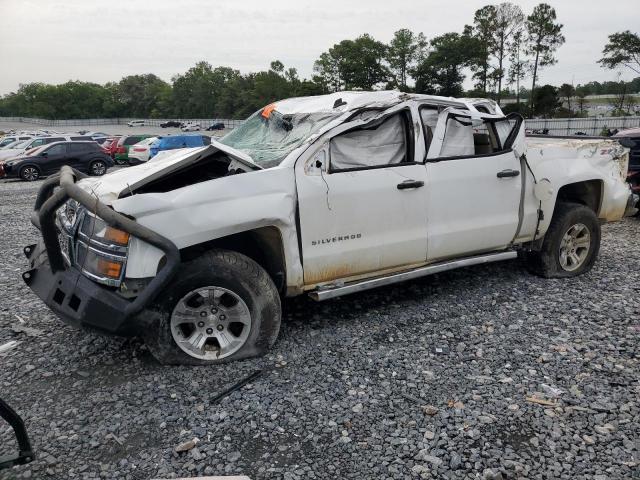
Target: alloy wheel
[(574, 247), (30, 174), (210, 323)]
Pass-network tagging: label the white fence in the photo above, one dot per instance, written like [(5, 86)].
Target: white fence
[(85, 122), (556, 126), (588, 126)]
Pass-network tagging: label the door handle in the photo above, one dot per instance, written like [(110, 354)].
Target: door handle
[(410, 184), (508, 173)]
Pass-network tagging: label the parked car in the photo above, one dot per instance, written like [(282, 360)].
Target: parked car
[(631, 139), (38, 142), (6, 140), (171, 123), (11, 145), (323, 196), (139, 152), (190, 127), (86, 157), (136, 123), (178, 141), (215, 126), (110, 145), (121, 154)]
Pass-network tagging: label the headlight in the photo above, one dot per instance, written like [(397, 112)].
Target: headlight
[(99, 265), (96, 229), (101, 250)]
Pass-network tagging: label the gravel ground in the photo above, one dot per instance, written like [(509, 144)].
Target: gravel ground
[(428, 379)]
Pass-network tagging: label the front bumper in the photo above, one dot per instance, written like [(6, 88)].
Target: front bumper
[(78, 301), (75, 298)]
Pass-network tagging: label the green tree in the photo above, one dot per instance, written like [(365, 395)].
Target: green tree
[(403, 53), (508, 24), (194, 92), (441, 72), (484, 26), (518, 64), (353, 64), (544, 37), (623, 49), (567, 92), (327, 72), (546, 101)]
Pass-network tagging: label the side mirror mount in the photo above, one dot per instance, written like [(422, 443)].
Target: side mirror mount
[(317, 164), (45, 154)]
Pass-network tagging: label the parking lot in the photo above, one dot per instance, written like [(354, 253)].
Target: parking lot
[(109, 129), (486, 372)]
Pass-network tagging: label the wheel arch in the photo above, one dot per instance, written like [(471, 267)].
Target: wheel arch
[(586, 192), (264, 245)]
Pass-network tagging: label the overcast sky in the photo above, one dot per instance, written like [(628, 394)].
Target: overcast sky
[(103, 40)]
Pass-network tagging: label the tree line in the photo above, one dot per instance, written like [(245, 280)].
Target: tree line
[(501, 48)]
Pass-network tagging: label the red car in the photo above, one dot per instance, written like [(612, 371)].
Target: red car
[(110, 146)]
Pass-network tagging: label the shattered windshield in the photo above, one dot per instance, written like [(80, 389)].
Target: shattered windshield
[(268, 136)]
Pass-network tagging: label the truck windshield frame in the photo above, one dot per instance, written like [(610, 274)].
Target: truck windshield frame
[(269, 138)]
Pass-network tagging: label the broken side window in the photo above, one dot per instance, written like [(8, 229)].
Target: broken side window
[(429, 116), (381, 144), (468, 137)]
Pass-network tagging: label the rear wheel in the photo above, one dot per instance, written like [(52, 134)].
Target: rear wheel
[(29, 173), (570, 245), (98, 168), (220, 307)]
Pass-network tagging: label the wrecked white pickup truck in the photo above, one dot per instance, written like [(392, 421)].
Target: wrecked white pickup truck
[(324, 195)]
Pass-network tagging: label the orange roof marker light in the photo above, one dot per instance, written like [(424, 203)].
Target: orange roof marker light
[(266, 111)]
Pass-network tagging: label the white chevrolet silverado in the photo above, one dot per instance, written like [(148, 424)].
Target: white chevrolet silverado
[(323, 196)]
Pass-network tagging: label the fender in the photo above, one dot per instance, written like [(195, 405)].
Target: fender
[(216, 209), (563, 162)]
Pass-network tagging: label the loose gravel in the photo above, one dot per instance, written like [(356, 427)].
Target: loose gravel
[(486, 372)]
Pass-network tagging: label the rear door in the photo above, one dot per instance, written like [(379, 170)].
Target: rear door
[(77, 153), (475, 185)]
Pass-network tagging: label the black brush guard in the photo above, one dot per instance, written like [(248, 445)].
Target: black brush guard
[(25, 453), (74, 297)]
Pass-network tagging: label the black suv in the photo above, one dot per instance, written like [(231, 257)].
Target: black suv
[(87, 157), (171, 123)]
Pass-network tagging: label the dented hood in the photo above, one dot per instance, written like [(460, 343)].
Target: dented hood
[(112, 186)]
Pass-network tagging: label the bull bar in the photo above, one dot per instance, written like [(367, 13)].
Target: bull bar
[(54, 192)]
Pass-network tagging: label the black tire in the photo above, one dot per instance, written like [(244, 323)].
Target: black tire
[(97, 168), (234, 272), (546, 263), (29, 173)]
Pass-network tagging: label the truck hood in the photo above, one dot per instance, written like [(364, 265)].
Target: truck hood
[(112, 186)]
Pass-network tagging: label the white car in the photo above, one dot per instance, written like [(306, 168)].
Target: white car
[(136, 123), (190, 127), (139, 152), (8, 139), (17, 150), (322, 196)]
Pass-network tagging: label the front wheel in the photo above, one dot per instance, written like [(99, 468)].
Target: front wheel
[(220, 307), (570, 245), (29, 174)]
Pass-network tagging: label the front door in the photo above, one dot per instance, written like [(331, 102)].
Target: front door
[(362, 203), (56, 156)]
